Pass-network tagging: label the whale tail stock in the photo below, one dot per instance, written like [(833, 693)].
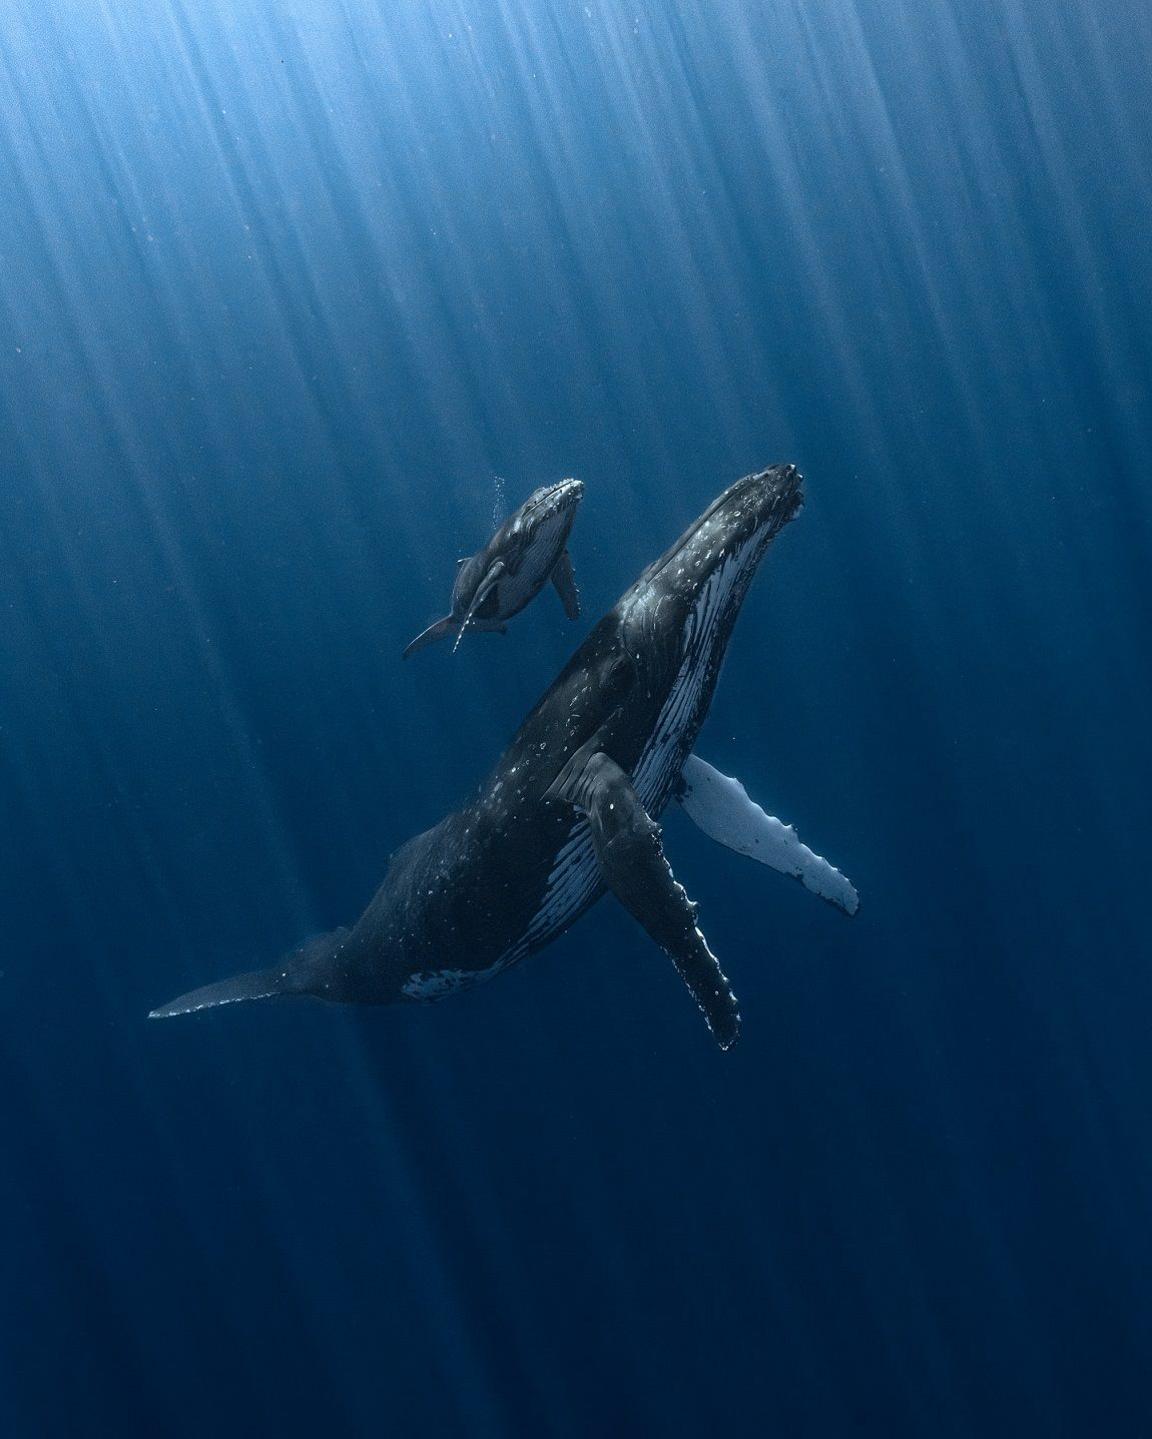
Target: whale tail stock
[(292, 975)]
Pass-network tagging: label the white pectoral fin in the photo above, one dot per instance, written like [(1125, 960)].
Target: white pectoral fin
[(722, 809)]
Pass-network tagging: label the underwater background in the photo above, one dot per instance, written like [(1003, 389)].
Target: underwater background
[(294, 298)]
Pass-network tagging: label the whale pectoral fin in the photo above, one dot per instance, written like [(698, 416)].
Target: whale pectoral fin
[(632, 863), (430, 635), (483, 590), (722, 809), (564, 579), (495, 574)]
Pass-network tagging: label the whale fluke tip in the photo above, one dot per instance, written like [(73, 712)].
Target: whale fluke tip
[(259, 984)]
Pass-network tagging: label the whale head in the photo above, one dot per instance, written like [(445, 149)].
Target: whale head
[(542, 523), (684, 605), (550, 500), (675, 622)]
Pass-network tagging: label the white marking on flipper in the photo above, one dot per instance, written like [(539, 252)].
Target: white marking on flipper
[(723, 810)]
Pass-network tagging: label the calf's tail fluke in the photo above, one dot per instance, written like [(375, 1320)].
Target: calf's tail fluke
[(429, 636), (257, 984)]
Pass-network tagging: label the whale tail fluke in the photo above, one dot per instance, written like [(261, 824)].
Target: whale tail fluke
[(304, 971), (435, 632), (256, 984)]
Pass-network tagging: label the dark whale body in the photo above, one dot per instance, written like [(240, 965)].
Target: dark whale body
[(569, 810)]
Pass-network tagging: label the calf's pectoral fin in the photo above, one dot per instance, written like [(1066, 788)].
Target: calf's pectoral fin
[(483, 590), (564, 579), (722, 809), (632, 863), (495, 573)]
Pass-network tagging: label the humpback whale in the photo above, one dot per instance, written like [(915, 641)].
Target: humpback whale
[(528, 549), (569, 812)]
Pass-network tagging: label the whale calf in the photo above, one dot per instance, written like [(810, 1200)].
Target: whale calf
[(569, 812), (529, 549)]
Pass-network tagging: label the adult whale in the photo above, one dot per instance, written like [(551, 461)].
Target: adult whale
[(569, 812)]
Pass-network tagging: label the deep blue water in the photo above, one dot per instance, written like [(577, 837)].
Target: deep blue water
[(283, 289)]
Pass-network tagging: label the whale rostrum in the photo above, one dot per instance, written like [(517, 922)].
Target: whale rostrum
[(570, 811)]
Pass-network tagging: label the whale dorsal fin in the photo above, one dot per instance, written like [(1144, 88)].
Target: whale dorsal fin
[(722, 809), (632, 864), (564, 578)]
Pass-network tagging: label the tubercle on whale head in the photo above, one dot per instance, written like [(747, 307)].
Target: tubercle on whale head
[(749, 513), (549, 499), (551, 506)]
